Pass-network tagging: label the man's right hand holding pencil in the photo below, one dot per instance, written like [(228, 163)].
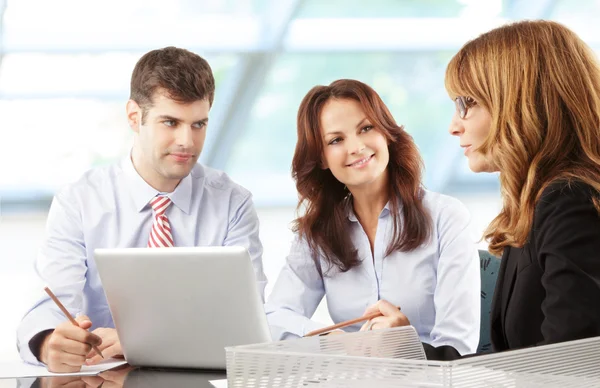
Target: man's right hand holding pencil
[(67, 347)]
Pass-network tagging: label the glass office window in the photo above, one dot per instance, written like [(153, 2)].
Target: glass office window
[(382, 8), (72, 61), (62, 114), (410, 83)]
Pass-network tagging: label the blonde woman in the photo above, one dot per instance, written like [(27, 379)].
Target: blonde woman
[(528, 105)]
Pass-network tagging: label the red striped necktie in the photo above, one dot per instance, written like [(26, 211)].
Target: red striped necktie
[(160, 235)]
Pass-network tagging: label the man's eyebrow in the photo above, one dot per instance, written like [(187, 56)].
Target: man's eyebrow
[(167, 117)]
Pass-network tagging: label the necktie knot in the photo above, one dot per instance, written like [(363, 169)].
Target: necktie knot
[(160, 204)]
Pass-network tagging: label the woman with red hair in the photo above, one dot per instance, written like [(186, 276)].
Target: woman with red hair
[(370, 237)]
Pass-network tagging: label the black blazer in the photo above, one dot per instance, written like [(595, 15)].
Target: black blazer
[(549, 290)]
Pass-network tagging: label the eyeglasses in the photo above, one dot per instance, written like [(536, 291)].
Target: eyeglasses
[(463, 104)]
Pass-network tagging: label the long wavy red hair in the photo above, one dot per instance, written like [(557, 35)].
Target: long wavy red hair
[(325, 200)]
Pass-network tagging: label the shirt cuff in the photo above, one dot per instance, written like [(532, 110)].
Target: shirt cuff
[(35, 322)]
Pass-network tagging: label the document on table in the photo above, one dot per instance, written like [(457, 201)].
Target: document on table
[(219, 383), (19, 369)]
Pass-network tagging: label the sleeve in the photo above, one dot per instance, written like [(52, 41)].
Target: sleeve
[(61, 265), (567, 238), (296, 295), (457, 295), (243, 231)]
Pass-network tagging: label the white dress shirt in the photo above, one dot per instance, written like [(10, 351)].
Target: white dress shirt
[(109, 208), (436, 285)]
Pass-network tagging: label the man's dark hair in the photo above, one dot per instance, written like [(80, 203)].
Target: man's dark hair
[(185, 77)]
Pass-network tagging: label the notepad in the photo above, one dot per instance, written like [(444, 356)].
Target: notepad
[(19, 369), (219, 383)]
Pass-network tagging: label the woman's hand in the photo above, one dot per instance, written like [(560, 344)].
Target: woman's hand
[(391, 317)]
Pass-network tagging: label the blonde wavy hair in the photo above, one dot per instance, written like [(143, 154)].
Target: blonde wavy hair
[(541, 84)]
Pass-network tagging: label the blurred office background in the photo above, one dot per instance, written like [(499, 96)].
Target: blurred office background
[(65, 67)]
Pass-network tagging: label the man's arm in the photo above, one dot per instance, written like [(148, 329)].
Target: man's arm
[(243, 231), (61, 264)]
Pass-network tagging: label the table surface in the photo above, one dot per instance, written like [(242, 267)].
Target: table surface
[(130, 377)]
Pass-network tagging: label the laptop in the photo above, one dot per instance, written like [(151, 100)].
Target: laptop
[(180, 307)]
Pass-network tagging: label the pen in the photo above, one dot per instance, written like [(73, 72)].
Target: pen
[(343, 324), (66, 312)]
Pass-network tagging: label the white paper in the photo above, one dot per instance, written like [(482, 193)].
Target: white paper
[(219, 383), (20, 369)]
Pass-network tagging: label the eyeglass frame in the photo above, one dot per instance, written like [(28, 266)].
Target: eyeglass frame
[(462, 106)]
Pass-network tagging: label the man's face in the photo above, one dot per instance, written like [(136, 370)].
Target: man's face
[(169, 140)]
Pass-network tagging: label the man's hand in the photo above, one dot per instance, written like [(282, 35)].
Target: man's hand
[(66, 348), (110, 347), (70, 382), (114, 378), (392, 316)]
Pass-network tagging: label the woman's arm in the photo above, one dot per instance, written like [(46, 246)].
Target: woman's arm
[(567, 238), (296, 295)]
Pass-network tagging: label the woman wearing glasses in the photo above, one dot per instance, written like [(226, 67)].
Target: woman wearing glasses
[(528, 105), (370, 237)]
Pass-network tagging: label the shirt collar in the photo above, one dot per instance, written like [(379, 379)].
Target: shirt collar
[(142, 192), (352, 217)]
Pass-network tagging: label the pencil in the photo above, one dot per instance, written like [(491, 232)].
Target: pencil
[(66, 312), (343, 324)]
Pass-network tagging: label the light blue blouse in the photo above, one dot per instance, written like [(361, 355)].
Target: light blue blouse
[(437, 285)]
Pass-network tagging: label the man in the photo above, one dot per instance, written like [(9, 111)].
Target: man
[(158, 196)]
